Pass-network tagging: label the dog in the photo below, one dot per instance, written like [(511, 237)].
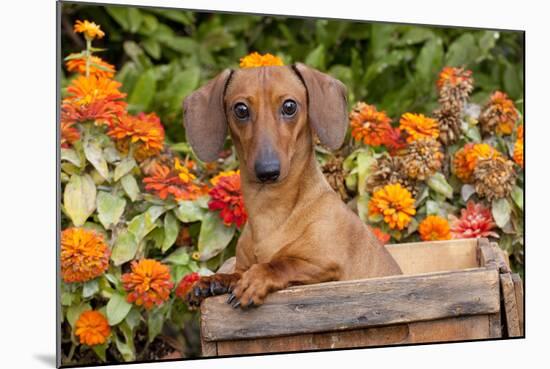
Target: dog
[(298, 231)]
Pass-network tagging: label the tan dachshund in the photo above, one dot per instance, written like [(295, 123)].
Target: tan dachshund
[(299, 231)]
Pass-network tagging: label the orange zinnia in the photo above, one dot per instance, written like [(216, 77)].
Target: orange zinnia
[(255, 59), (504, 110), (98, 67), (144, 131), (92, 328), (148, 283), (395, 204), (466, 159), (454, 77), (69, 134), (418, 126), (164, 181), (89, 29), (84, 255), (372, 127), (434, 228), (518, 147), (227, 197)]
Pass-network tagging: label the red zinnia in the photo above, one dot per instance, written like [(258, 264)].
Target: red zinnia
[(475, 221), (226, 196), (186, 283)]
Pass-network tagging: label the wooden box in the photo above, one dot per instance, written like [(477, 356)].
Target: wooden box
[(449, 291)]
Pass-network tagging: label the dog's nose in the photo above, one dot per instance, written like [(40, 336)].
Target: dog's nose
[(267, 171)]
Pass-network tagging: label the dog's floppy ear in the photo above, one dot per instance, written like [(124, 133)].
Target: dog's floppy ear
[(204, 118), (327, 105)]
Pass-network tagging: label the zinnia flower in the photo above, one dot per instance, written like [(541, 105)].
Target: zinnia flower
[(382, 236), (494, 178), (144, 132), (368, 125), (186, 284), (92, 328), (89, 29), (148, 283), (98, 67), (95, 99), (454, 86), (465, 160), (84, 255), (395, 204), (475, 221), (226, 196), (255, 59), (518, 147), (164, 182), (390, 170), (422, 158), (183, 171), (69, 134), (499, 115), (434, 228), (418, 126)]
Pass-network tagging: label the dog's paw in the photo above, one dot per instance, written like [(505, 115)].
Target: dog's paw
[(216, 284), (253, 287)]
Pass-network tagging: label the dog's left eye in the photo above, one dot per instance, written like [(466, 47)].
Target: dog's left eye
[(289, 108)]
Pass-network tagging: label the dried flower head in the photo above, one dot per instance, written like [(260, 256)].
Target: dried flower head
[(227, 197), (454, 86), (390, 170), (434, 228), (475, 221), (499, 115), (255, 59), (395, 204), (518, 147), (465, 159), (98, 67), (494, 177), (418, 126), (143, 132), (335, 175), (92, 328), (186, 284), (449, 124), (148, 283), (422, 158), (89, 29), (84, 255)]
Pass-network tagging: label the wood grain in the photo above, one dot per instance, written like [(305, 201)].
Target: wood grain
[(510, 306), (518, 289), (348, 305)]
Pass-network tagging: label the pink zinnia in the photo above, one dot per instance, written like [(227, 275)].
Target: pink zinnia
[(475, 221)]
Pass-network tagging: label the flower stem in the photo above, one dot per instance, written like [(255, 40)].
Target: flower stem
[(88, 56)]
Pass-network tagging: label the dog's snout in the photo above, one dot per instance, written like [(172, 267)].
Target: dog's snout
[(267, 167)]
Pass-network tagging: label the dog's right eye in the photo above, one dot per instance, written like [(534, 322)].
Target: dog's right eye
[(241, 111)]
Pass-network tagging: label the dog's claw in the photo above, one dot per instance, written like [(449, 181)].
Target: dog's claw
[(230, 298), (236, 304), (250, 303)]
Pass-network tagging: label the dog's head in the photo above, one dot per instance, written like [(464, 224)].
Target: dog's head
[(271, 113)]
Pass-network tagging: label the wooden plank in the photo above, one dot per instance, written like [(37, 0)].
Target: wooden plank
[(518, 289), (510, 306), (502, 259), (495, 325), (208, 348), (436, 256), (347, 305), (442, 330), (486, 253)]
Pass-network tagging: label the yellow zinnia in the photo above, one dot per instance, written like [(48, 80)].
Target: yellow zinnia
[(466, 159), (395, 204), (89, 29), (419, 126), (255, 59)]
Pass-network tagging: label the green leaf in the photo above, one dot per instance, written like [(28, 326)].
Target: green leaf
[(117, 309), (375, 218), (67, 298), (171, 230), (178, 257), (214, 236), (501, 210), (152, 46), (467, 191), (109, 208), (134, 19), (189, 211), (71, 156), (79, 198), (125, 248), (316, 58), (462, 51), (430, 59), (124, 167), (517, 196), (90, 288), (144, 90), (473, 133), (365, 163), (120, 15), (144, 223), (155, 322), (126, 348), (73, 312), (133, 318), (439, 184), (130, 186), (101, 351), (183, 84), (432, 208), (94, 154)]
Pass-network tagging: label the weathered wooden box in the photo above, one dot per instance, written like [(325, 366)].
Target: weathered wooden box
[(450, 291)]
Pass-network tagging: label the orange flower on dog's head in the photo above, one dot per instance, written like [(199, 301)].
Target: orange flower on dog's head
[(148, 283), (255, 59), (465, 159), (227, 197), (98, 67), (434, 228), (84, 255), (418, 126), (144, 132), (92, 328), (395, 204), (89, 29)]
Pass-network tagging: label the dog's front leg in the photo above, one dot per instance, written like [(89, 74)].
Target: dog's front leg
[(261, 279), (216, 284)]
